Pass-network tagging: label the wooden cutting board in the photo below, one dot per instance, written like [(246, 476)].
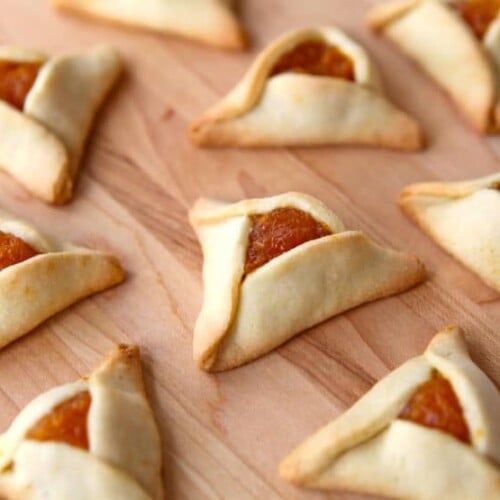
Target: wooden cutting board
[(224, 435)]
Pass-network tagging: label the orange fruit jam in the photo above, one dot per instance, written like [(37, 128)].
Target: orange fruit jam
[(278, 231), (435, 405), (16, 80), (478, 14), (66, 423), (316, 58), (14, 250)]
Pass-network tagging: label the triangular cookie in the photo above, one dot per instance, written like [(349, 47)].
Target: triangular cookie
[(457, 42), (310, 87), (47, 106), (429, 430), (209, 21), (464, 218), (87, 440), (40, 277), (274, 267)]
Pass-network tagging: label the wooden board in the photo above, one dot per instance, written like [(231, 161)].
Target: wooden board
[(224, 435)]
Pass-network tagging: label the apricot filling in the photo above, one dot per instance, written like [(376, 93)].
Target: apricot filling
[(14, 250), (66, 423), (277, 232), (478, 14), (16, 80), (316, 58), (435, 405)]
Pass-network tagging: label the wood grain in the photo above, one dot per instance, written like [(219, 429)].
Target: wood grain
[(224, 435)]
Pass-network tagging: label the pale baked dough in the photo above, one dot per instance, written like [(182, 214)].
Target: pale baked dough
[(36, 289), (464, 218), (241, 320), (300, 109), (42, 145), (444, 45), (209, 21), (368, 449), (124, 456)]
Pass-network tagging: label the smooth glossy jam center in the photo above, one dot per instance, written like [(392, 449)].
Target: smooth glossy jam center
[(277, 232), (66, 423), (14, 250), (16, 80), (316, 58), (478, 14), (435, 405)]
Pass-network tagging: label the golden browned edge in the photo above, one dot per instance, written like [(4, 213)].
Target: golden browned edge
[(406, 194), (202, 134), (423, 189), (123, 353), (450, 190), (63, 191), (238, 41), (483, 120), (385, 13), (119, 274), (129, 356)]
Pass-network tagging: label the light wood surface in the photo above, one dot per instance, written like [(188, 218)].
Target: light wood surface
[(224, 435)]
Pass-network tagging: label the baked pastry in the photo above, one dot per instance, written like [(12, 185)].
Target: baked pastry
[(209, 21), (40, 277), (91, 439), (457, 42), (310, 87), (464, 218), (430, 430), (47, 106), (274, 267)]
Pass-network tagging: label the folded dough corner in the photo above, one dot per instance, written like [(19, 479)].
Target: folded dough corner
[(372, 449), (463, 59), (92, 439), (42, 139), (282, 101), (40, 277), (247, 313), (462, 217)]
